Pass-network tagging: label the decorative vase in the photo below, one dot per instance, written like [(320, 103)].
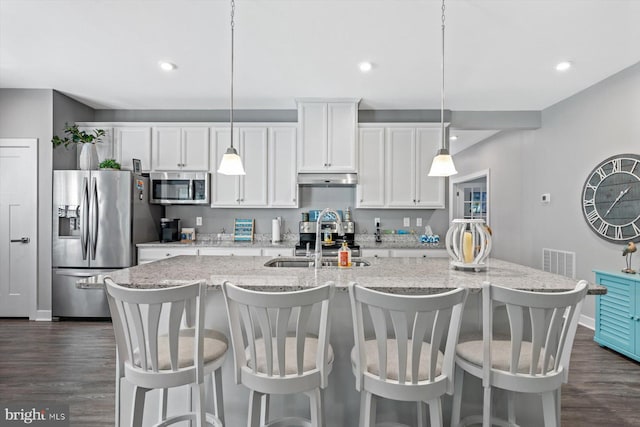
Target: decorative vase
[(88, 157), (468, 243)]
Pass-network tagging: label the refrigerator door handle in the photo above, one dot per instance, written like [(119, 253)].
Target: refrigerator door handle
[(94, 218), (84, 209)]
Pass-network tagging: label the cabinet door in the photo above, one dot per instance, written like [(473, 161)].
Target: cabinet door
[(276, 252), (224, 188), (195, 148), (375, 253), (615, 324), (370, 187), (133, 143), (400, 167), (146, 255), (312, 117), (166, 149), (429, 189), (231, 251), (283, 189), (104, 147), (253, 185), (342, 136)]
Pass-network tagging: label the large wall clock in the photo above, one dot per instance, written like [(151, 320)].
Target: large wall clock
[(611, 198)]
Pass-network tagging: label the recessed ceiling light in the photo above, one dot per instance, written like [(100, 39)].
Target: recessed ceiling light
[(365, 66), (453, 138), (167, 66), (563, 66)]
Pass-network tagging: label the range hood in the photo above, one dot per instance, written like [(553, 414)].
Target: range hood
[(327, 179)]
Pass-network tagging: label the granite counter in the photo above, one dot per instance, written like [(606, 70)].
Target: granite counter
[(406, 275)]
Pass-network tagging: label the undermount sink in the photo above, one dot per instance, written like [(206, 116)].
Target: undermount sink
[(309, 263)]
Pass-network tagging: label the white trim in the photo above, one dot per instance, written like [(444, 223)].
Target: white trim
[(587, 322), (43, 316), (425, 125), (185, 124), (453, 181)]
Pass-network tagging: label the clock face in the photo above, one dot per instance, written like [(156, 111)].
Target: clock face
[(611, 198)]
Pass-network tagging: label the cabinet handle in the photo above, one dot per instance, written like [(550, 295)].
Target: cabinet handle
[(375, 256), (361, 200), (418, 200), (328, 164), (168, 255), (424, 256), (414, 200)]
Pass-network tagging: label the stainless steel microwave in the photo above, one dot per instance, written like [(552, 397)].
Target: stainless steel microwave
[(179, 188)]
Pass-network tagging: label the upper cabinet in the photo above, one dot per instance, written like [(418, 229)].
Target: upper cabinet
[(328, 135), (133, 142), (394, 165), (268, 154), (248, 190), (180, 148), (283, 189)]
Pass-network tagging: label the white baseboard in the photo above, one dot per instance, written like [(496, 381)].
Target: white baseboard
[(587, 322), (43, 316)]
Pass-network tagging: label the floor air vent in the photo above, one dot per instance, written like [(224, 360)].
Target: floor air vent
[(559, 262)]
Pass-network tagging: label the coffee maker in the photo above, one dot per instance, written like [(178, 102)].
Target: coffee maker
[(170, 230), (331, 240)]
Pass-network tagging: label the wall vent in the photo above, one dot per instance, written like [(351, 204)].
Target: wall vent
[(559, 262)]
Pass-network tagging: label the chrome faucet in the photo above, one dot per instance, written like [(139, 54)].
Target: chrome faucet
[(318, 254)]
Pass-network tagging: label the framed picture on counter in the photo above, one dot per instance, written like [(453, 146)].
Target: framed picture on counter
[(137, 166)]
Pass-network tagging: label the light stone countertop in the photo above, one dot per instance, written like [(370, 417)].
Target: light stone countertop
[(403, 275)]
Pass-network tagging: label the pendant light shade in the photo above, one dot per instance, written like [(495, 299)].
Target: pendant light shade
[(231, 163), (442, 164)]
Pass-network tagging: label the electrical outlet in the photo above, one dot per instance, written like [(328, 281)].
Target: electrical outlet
[(545, 198), (198, 220), (376, 222), (407, 222), (418, 222)]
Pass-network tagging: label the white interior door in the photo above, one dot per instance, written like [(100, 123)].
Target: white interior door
[(18, 225)]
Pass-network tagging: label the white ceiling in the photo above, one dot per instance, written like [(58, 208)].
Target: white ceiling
[(500, 54)]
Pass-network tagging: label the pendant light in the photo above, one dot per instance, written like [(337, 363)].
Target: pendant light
[(443, 162), (231, 163)]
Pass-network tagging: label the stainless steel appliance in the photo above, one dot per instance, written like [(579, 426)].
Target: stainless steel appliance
[(179, 188), (307, 232), (169, 230), (98, 218)]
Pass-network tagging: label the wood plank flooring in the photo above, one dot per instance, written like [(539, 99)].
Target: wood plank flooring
[(73, 362)]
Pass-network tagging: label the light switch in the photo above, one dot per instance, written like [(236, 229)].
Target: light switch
[(198, 220), (407, 222)]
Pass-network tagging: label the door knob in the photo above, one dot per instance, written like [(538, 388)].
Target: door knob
[(21, 240)]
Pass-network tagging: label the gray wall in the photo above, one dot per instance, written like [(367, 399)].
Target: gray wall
[(28, 113), (576, 134), (67, 110)]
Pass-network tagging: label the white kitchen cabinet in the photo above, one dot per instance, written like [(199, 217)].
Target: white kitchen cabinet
[(328, 135), (180, 148), (104, 147), (276, 252), (230, 251), (409, 152), (133, 142), (430, 190), (283, 187), (371, 166), (375, 253), (146, 255), (419, 253), (248, 190)]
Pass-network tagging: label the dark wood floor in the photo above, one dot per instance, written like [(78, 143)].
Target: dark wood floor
[(73, 362)]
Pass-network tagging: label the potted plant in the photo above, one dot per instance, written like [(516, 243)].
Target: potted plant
[(109, 164), (88, 154)]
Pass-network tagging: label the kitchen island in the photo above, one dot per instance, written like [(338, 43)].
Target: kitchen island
[(402, 275)]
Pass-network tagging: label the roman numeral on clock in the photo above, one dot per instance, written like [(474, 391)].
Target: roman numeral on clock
[(604, 227), (592, 216)]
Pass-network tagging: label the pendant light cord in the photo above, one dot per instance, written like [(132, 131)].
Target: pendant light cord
[(444, 145), (233, 9)]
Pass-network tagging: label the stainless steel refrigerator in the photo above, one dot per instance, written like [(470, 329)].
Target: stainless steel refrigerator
[(98, 218)]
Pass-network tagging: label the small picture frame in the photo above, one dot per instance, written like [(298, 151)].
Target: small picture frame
[(137, 166)]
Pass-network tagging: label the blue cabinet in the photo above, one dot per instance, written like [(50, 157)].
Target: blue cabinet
[(618, 313)]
